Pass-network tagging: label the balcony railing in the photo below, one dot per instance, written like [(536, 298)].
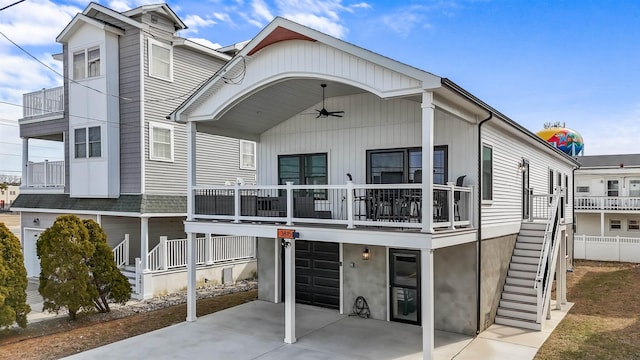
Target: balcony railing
[(381, 205), (43, 102), (614, 203), (46, 174)]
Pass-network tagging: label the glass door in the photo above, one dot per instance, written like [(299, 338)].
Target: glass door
[(404, 282)]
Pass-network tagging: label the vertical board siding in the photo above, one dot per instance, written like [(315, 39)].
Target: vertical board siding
[(508, 152), (369, 123)]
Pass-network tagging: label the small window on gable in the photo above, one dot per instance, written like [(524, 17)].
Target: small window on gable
[(86, 63), (160, 142), (633, 225), (615, 224), (160, 58), (247, 155)]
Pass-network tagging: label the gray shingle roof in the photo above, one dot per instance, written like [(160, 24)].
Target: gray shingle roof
[(143, 204), (595, 161)]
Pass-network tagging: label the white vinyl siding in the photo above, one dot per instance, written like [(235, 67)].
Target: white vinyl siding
[(160, 141), (160, 60)]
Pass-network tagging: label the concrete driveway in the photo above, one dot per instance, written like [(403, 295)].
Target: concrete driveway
[(255, 331)]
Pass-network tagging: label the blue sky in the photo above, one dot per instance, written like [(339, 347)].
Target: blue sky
[(576, 62)]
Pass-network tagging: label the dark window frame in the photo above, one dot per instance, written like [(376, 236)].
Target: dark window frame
[(487, 175), (407, 169), (302, 174)]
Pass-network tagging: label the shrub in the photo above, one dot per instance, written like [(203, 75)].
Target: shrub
[(13, 281)]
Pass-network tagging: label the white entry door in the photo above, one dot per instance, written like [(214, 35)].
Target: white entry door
[(31, 261)]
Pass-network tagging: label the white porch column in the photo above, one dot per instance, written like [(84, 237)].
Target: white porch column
[(144, 243), (191, 169), (426, 301), (191, 277), (428, 117), (277, 287), (25, 159), (601, 223), (289, 292)]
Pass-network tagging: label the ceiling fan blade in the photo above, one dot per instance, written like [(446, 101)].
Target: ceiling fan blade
[(336, 112), (336, 115)]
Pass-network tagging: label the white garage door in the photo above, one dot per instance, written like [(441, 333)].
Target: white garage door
[(31, 261)]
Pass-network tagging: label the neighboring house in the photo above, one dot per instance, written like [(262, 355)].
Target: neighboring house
[(607, 207), (389, 183), (8, 196), (124, 164)]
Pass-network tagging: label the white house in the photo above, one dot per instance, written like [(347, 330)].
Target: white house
[(124, 164), (607, 207), (380, 180), (8, 196)]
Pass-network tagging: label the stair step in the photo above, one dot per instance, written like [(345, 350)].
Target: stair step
[(531, 233), (519, 289), (518, 305), (525, 260), (529, 275), (524, 267), (520, 281), (533, 226), (529, 245), (526, 253), (532, 325), (508, 295), (530, 239), (518, 314), (130, 268)]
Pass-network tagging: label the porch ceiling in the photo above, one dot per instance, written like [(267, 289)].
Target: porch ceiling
[(274, 104)]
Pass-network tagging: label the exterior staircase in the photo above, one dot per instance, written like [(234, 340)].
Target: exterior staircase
[(130, 272), (518, 304)]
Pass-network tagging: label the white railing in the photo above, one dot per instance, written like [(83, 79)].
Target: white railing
[(627, 203), (121, 252), (607, 248), (548, 257), (171, 254), (43, 102), (381, 205), (45, 174)]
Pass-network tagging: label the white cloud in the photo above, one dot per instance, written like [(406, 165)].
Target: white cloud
[(323, 24), (261, 10), (224, 17), (206, 43), (195, 22), (124, 5), (36, 22)]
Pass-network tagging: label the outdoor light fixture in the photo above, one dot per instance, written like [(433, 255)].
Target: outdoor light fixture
[(36, 221), (522, 166), (366, 254)]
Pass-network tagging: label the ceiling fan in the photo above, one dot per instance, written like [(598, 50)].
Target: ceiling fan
[(324, 113)]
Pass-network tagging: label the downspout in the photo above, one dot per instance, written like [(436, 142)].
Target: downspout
[(479, 262)]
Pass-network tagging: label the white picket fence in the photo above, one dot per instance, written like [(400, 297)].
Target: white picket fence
[(606, 248), (171, 254)]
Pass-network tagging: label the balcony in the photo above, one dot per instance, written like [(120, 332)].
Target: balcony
[(607, 203), (396, 206), (44, 175), (43, 103)]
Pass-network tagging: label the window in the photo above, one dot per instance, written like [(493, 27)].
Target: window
[(633, 225), (160, 60), (487, 172), (305, 169), (247, 155), (612, 188), (551, 188), (12, 192), (634, 188), (398, 166), (615, 225), (160, 142), (86, 63), (94, 145), (582, 189)]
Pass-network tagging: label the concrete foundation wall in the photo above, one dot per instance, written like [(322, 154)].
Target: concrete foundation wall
[(173, 281), (266, 268), (496, 256), (366, 278), (455, 303)]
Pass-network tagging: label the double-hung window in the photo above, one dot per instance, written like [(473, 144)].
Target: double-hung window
[(86, 63), (160, 141), (88, 142), (247, 155), (304, 169), (160, 60), (487, 172)]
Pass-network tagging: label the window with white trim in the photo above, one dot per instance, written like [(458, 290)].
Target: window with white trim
[(86, 63), (160, 58), (87, 145), (615, 224), (247, 155), (160, 141), (634, 188), (633, 225), (582, 189), (487, 172)]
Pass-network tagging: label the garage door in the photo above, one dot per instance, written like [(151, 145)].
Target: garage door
[(318, 274)]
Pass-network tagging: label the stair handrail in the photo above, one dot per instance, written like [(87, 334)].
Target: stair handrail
[(545, 272), (121, 252)]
